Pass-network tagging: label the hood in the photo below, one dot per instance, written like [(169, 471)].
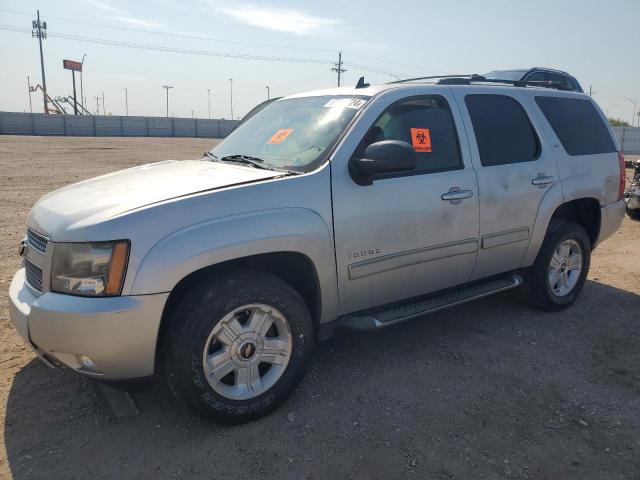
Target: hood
[(104, 197)]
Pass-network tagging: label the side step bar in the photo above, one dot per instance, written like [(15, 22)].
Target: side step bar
[(383, 317)]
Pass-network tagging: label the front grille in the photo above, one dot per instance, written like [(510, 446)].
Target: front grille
[(37, 241), (34, 275)]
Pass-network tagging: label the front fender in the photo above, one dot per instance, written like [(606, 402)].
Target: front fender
[(202, 245)]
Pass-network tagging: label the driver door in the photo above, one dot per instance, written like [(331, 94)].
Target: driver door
[(408, 233)]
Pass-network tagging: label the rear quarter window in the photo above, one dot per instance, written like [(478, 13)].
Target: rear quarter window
[(502, 129), (577, 124)]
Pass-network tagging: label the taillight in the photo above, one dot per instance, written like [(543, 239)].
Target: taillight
[(623, 175)]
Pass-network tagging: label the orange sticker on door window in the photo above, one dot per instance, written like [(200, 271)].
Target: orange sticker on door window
[(279, 136), (421, 139)]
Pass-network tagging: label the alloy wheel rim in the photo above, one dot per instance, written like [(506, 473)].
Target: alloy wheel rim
[(565, 268), (247, 351)]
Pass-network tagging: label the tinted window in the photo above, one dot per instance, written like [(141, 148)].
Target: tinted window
[(577, 124), (503, 131), (427, 125)]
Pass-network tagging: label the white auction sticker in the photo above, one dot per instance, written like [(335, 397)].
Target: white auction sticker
[(354, 103)]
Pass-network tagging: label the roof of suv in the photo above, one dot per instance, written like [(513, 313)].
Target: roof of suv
[(372, 90)]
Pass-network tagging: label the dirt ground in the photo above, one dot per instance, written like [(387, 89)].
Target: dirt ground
[(485, 390)]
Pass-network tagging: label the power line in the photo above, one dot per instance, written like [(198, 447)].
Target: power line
[(175, 34), (161, 48), (233, 42)]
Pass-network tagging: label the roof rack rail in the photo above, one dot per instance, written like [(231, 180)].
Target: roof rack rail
[(433, 77), (468, 79)]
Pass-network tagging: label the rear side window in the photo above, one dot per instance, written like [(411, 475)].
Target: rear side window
[(503, 131), (577, 124), (427, 125)]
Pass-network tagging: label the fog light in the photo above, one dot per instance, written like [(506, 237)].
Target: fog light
[(88, 363)]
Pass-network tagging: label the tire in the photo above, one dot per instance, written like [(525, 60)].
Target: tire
[(211, 316), (537, 291)]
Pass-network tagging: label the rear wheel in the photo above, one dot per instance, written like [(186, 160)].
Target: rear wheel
[(561, 267), (236, 347)]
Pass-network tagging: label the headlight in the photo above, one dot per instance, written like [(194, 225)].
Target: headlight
[(89, 269)]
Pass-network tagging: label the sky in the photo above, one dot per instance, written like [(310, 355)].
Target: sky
[(198, 45)]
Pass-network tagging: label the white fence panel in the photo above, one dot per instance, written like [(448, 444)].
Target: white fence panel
[(17, 123)]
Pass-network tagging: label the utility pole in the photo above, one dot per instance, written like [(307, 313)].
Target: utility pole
[(126, 101), (104, 112), (167, 88), (29, 90), (231, 85), (338, 67), (39, 30), (81, 86), (268, 92), (97, 105), (209, 102)]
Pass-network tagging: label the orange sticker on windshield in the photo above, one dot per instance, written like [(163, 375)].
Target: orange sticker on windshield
[(421, 139), (279, 136)]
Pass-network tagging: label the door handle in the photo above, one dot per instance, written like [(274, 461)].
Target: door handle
[(456, 196), (543, 180)]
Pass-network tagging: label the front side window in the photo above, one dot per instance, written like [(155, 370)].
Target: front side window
[(292, 134), (577, 124), (502, 129), (426, 124)]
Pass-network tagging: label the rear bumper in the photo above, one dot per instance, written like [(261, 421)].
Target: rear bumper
[(117, 335), (611, 217)]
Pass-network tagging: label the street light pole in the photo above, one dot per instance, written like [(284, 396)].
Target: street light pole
[(268, 92), (81, 87), (635, 106), (231, 97), (209, 102), (97, 105), (104, 112), (126, 101), (167, 88)]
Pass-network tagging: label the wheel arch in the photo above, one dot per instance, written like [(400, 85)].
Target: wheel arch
[(292, 267), (583, 210)]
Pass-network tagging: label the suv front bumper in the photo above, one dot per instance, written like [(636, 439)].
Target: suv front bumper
[(112, 338)]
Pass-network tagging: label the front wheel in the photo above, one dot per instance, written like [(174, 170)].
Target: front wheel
[(236, 347), (561, 267)]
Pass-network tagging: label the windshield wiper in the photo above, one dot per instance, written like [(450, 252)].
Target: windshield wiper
[(246, 159), (211, 156), (255, 162), (249, 160)]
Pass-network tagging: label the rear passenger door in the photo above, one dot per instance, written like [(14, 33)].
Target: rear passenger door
[(515, 168)]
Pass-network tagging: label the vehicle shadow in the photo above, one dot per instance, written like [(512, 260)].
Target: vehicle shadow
[(450, 395)]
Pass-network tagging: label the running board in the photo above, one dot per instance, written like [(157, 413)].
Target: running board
[(383, 317)]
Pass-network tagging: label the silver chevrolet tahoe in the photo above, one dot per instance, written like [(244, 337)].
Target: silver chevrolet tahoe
[(351, 208)]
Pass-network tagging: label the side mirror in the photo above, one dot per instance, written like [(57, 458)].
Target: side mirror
[(381, 158)]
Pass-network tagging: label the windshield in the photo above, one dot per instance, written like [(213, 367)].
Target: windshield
[(505, 74), (292, 134)]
